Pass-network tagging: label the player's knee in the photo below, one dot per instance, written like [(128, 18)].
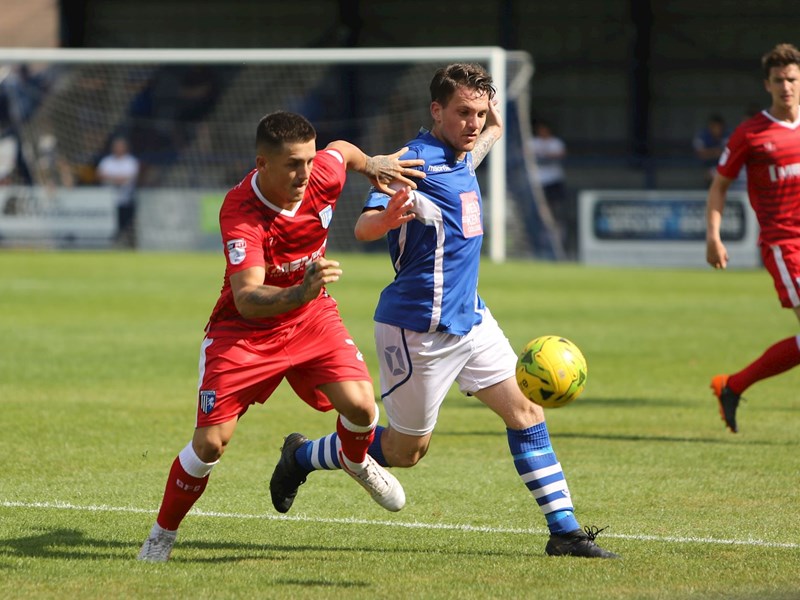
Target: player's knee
[(362, 414), (209, 449), (355, 402), (523, 414), (209, 453), (405, 457)]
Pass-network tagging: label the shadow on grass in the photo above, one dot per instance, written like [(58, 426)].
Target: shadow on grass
[(603, 403), (73, 544), (732, 440), (587, 403), (61, 544)]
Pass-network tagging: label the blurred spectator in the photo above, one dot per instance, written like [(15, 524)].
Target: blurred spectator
[(550, 151), (709, 143), (120, 170), (23, 90)]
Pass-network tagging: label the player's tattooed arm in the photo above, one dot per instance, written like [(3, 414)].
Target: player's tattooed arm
[(255, 300), (381, 170), (492, 132), (485, 142)]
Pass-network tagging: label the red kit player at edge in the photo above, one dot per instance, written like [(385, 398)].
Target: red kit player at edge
[(274, 318), (768, 146)]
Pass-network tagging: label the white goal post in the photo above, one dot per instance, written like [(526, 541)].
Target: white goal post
[(110, 89)]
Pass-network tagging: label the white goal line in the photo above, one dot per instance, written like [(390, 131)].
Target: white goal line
[(408, 525)]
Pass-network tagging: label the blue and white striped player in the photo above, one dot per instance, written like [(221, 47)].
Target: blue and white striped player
[(431, 326)]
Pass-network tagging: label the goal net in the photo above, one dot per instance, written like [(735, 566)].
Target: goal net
[(190, 118)]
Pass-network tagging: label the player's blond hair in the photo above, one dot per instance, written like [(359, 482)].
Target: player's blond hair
[(781, 55)]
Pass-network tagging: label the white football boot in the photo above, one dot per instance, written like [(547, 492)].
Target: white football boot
[(158, 546), (381, 485)]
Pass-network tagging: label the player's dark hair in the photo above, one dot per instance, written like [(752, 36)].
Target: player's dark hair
[(781, 55), (448, 79), (281, 127)]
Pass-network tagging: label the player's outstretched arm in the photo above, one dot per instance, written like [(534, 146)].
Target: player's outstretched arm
[(381, 169), (254, 300), (716, 254), (373, 224), (492, 131)]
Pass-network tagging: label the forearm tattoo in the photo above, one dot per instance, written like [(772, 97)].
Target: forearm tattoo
[(483, 145), (380, 167), (291, 296)]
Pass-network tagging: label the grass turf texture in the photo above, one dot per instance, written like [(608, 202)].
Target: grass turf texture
[(98, 372)]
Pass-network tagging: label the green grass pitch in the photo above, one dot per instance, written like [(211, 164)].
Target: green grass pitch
[(98, 375)]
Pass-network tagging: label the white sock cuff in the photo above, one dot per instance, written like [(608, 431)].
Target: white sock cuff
[(192, 464), (361, 428), (159, 530)]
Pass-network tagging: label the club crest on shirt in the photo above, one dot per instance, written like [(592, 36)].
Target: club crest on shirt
[(325, 216), (207, 400), (236, 251)]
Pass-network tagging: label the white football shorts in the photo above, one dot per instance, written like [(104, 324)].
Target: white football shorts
[(418, 369)]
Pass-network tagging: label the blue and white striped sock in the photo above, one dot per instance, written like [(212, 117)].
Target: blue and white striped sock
[(541, 472), (323, 454)]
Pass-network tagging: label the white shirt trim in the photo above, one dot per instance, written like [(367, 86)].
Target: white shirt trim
[(277, 209)]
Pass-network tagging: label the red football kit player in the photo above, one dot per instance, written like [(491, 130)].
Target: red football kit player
[(770, 150), (768, 146), (274, 318), (308, 345)]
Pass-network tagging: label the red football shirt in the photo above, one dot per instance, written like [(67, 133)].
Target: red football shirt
[(256, 232), (770, 150)]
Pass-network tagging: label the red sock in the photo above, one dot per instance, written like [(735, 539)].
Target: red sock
[(778, 358), (181, 493), (355, 443)]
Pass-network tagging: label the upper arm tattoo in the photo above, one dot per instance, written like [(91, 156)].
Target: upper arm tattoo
[(485, 142)]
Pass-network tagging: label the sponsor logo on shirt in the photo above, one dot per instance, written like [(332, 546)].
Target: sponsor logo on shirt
[(778, 172), (236, 251), (359, 356), (438, 168), (207, 400), (470, 214), (298, 263)]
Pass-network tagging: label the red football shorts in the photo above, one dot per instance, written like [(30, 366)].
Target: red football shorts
[(237, 371), (783, 263)]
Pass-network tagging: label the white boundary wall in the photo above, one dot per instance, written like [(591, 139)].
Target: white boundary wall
[(661, 228), (57, 217)]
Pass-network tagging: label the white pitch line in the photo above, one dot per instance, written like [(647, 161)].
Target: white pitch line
[(402, 524)]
